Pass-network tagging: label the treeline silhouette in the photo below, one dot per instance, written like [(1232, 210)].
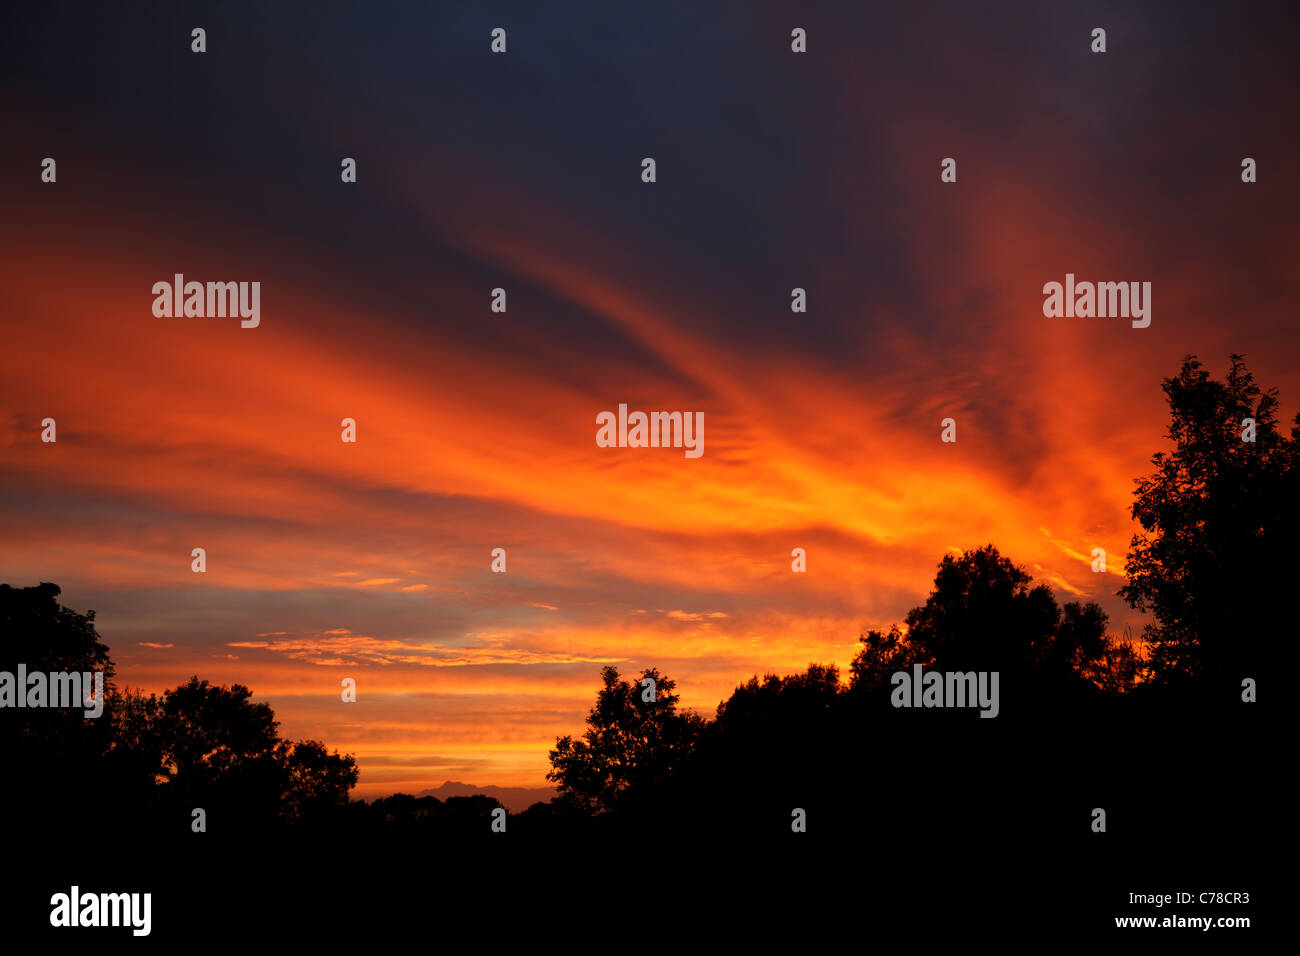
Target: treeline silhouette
[(1155, 733), (149, 760)]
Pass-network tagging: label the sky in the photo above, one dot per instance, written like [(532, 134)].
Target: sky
[(476, 429)]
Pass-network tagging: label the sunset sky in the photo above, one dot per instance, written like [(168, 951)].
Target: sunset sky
[(476, 429)]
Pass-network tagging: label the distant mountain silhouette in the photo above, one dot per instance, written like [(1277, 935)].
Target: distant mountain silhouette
[(514, 799)]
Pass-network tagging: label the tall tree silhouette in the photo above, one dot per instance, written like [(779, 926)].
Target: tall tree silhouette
[(1214, 560), (50, 750)]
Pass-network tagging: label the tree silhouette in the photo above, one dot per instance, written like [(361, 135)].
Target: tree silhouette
[(882, 653), (631, 740), (316, 781), (211, 731), (985, 613), (212, 746), (51, 750), (1214, 560), (45, 636)]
